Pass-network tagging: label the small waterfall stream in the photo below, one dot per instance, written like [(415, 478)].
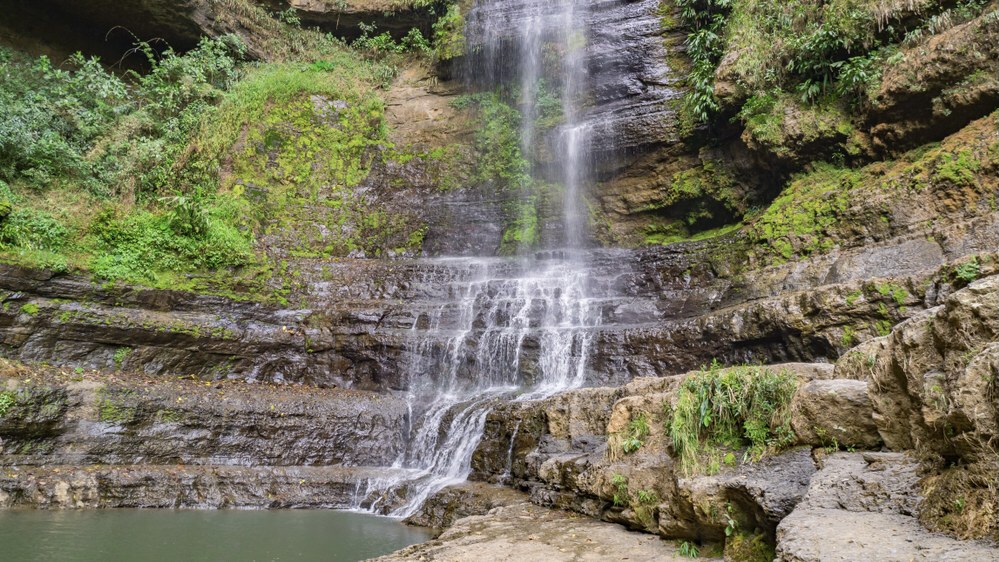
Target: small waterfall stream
[(512, 328)]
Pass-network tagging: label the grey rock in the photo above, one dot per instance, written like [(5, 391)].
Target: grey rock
[(834, 412)]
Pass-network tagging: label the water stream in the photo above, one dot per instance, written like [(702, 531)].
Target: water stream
[(511, 328)]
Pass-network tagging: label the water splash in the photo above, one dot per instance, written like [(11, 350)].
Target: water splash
[(509, 331)]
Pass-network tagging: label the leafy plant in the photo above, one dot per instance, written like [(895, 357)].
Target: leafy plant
[(968, 271), (638, 429), (705, 46), (7, 399), (621, 496), (647, 497), (120, 354), (688, 549), (735, 407)]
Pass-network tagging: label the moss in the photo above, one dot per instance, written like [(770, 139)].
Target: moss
[(115, 405), (169, 415), (746, 547), (672, 233), (522, 233), (958, 169), (30, 309), (849, 337), (771, 118), (801, 220), (302, 139)]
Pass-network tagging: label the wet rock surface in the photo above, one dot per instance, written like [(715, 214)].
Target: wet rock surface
[(463, 500), (528, 532), (181, 486), (97, 440)]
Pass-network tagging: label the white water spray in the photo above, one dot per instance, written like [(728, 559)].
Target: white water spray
[(510, 331)]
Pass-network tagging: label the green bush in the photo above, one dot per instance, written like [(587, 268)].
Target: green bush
[(33, 230), (735, 407)]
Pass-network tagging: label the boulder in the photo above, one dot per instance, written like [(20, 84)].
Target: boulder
[(836, 413), (860, 506)]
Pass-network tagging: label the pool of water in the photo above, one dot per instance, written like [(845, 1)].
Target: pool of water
[(128, 534)]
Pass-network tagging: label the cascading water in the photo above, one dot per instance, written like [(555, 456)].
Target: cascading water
[(511, 328)]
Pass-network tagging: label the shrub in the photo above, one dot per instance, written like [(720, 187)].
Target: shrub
[(33, 230), (735, 407)]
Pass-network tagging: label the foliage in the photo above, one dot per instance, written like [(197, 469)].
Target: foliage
[(638, 430), (7, 399), (968, 271), (449, 34), (384, 43), (896, 292), (121, 354), (735, 407), (705, 45), (117, 138), (811, 50), (746, 547), (303, 137), (621, 495), (688, 549), (501, 162)]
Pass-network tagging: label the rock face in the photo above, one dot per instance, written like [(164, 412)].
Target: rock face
[(933, 387), (910, 391), (837, 411), (138, 442), (180, 486), (861, 506), (938, 86), (527, 532), (567, 452), (463, 500)]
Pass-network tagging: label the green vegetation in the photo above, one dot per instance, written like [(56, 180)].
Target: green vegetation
[(746, 547), (114, 405), (896, 292), (849, 337), (815, 51), (89, 161), (176, 178), (705, 45), (449, 34), (731, 409), (968, 271), (121, 354), (801, 220), (621, 496), (7, 399), (385, 43), (638, 430), (30, 309), (688, 549), (501, 162)]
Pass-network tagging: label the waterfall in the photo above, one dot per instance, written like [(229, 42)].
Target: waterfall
[(512, 328)]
